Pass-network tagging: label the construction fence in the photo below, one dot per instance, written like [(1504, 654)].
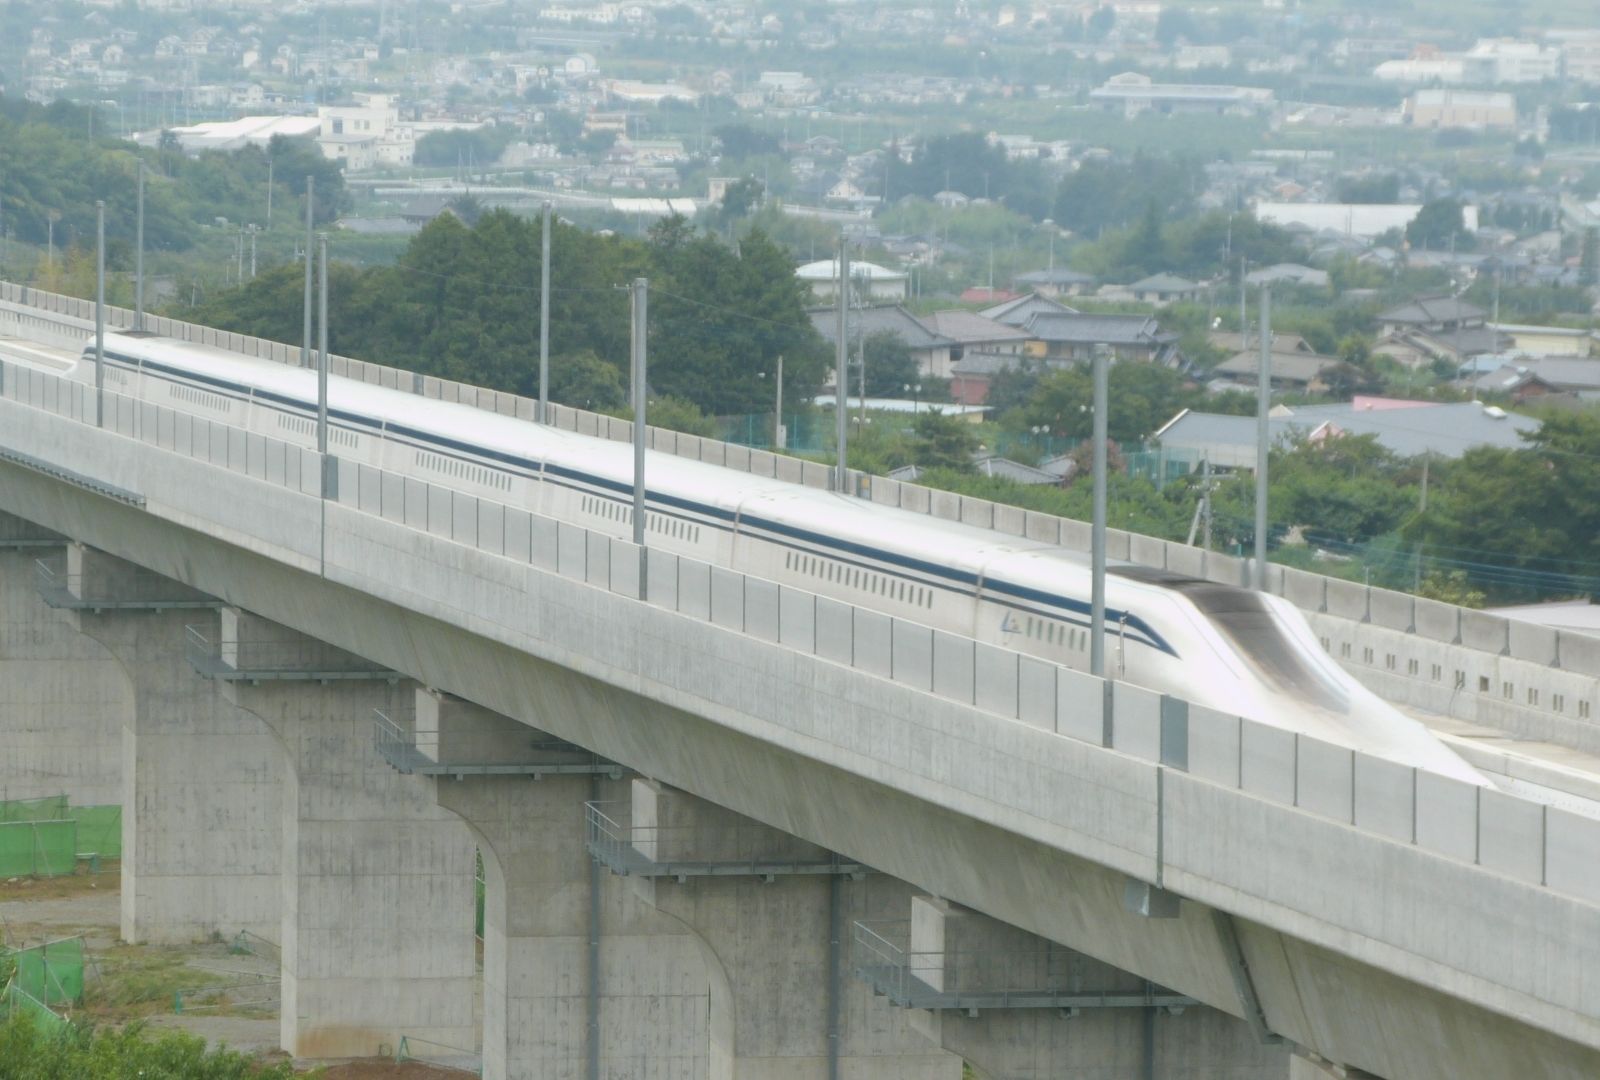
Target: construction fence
[(46, 837), (43, 978)]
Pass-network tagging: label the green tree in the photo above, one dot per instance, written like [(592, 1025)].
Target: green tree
[(890, 365), (1438, 225), (943, 442)]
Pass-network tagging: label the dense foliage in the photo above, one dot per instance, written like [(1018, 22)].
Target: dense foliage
[(52, 167), (83, 1053), (463, 303)]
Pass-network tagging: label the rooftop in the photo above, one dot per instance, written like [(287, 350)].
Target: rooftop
[(1097, 329), (828, 270), (967, 327)]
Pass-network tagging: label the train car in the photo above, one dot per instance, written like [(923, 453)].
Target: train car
[(1228, 648)]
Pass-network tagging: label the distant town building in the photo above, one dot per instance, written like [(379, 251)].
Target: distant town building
[(365, 135), (1131, 94), (874, 281), (237, 134), (1473, 109)]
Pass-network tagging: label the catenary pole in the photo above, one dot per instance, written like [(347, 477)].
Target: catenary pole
[(544, 316), (1097, 588), (100, 315), (841, 362), (305, 339), (322, 355), (641, 382), (138, 254), (1263, 406)]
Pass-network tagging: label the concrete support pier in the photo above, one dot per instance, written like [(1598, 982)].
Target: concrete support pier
[(377, 881), (201, 778), (63, 698), (553, 921), (1019, 1007), (772, 914)]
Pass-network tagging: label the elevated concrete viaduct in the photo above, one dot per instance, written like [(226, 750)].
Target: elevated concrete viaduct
[(1081, 816)]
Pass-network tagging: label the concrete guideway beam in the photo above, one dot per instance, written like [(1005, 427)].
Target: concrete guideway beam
[(530, 644), (377, 915), (201, 778)]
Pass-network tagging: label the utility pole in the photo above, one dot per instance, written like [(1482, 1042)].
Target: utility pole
[(100, 315), (253, 231), (305, 345), (1263, 405), (138, 254), (641, 302), (270, 164), (544, 315), (1244, 318), (841, 361), (1097, 600), (1205, 520)]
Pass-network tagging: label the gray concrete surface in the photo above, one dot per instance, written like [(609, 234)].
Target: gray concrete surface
[(377, 918)]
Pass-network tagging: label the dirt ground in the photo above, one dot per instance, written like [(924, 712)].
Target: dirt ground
[(140, 982)]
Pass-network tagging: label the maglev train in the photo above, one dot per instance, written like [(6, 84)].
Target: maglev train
[(1232, 649)]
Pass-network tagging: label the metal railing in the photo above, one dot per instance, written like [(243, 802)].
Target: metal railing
[(253, 992), (683, 851), (264, 660), (129, 588), (1045, 976), (255, 945), (440, 1055)]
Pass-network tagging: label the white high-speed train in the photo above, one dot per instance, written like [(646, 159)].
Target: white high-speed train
[(1232, 649)]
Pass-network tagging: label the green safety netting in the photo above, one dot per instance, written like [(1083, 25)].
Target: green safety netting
[(51, 973), (99, 830), (38, 848), (14, 1001)]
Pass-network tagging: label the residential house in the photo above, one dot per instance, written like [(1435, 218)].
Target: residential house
[(971, 376), (1074, 337), (1017, 312), (1406, 428), (1163, 289), (877, 282), (930, 350), (1056, 281), (1436, 327), (1232, 343), (973, 332), (1289, 370), (1536, 376), (1550, 340)]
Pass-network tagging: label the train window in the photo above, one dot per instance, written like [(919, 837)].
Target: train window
[(1411, 665), (1366, 656), (1344, 648), (1507, 691), (1558, 702), (1483, 684), (1533, 696), (1325, 645), (1461, 679), (1438, 673), (927, 598), (1583, 710), (1388, 659)]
